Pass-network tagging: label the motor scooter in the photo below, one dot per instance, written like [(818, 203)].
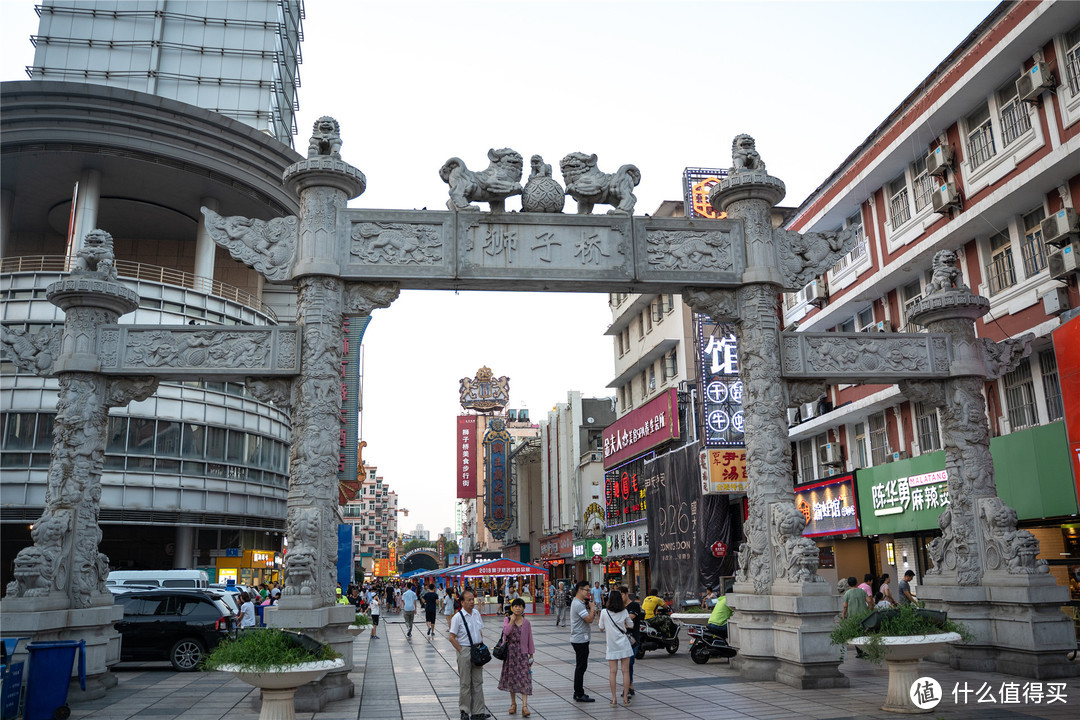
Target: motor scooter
[(706, 643), (659, 632)]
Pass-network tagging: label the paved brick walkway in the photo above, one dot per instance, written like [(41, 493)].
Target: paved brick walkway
[(416, 679)]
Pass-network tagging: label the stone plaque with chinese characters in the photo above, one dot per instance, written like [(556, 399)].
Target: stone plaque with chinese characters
[(538, 251)]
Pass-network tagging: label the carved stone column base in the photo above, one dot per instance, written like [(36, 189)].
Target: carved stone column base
[(1017, 621), (784, 636), (327, 624), (19, 617)]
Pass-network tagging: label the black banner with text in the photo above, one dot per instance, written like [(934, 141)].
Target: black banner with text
[(673, 496)]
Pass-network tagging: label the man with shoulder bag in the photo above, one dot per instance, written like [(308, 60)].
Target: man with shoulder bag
[(466, 635)]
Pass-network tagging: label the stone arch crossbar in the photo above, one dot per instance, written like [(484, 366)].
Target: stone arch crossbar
[(349, 262)]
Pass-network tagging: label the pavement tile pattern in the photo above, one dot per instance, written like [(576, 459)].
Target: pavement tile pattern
[(401, 678)]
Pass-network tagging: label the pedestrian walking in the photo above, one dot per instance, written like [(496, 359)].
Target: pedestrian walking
[(373, 608), (616, 622), (408, 608), (516, 675), (886, 592), (597, 599), (247, 612), (582, 612), (431, 601), (907, 597), (448, 607), (466, 630), (637, 615), (559, 601)]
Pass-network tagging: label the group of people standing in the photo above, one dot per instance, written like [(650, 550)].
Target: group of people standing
[(860, 598)]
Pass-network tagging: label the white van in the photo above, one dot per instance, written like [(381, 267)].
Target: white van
[(160, 578)]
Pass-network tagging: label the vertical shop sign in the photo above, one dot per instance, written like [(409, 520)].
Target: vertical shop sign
[(466, 452), (722, 396), (497, 510)]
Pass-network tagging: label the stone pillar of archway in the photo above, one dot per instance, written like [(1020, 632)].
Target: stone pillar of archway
[(986, 573), (784, 611), (59, 591)]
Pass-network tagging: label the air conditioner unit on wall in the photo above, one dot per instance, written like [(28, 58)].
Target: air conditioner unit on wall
[(831, 454), (792, 416), (806, 411), (1062, 263), (901, 455), (945, 197), (939, 160), (1060, 228), (815, 292), (1030, 85)]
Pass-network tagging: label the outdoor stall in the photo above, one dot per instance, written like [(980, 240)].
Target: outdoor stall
[(491, 574)]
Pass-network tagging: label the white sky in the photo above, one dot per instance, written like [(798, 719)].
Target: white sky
[(660, 84)]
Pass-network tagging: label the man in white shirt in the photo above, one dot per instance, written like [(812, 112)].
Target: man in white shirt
[(408, 607), (582, 613), (468, 623)]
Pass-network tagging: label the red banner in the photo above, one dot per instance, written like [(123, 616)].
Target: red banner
[(652, 424), (1066, 341), (468, 473)]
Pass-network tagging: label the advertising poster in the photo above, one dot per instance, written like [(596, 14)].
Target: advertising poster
[(720, 530), (673, 494), (467, 460)]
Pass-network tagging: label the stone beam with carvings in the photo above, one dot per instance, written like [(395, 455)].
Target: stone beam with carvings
[(193, 352), (836, 358)]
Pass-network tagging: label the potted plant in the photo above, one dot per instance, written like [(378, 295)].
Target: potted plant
[(900, 636), (277, 662)]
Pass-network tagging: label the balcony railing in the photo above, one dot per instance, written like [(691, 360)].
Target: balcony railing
[(1000, 273), (142, 271)]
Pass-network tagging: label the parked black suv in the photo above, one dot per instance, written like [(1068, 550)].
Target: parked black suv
[(172, 624)]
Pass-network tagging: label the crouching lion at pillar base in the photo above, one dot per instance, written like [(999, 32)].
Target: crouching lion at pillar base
[(1016, 550), (796, 556)]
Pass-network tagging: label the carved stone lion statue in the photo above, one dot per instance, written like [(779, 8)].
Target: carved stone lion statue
[(300, 571), (96, 254), (744, 155), (946, 275), (589, 186), (500, 180), (325, 138)]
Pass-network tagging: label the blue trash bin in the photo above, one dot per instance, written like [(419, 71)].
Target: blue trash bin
[(49, 676), (11, 675)]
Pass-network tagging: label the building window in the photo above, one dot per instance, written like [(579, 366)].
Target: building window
[(1033, 250), (1072, 60), (1000, 272), (669, 302), (641, 326), (926, 422), (644, 385), (1055, 410), (899, 209), (847, 326), (980, 137), (1020, 397), (806, 460), (646, 319), (652, 377), (1013, 114), (924, 184), (670, 365), (819, 445), (656, 307), (862, 454), (865, 319), (910, 294), (855, 222), (879, 439)]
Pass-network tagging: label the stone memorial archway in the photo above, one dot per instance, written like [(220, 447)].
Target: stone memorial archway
[(350, 262)]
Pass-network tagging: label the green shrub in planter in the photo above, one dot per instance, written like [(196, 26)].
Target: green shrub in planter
[(902, 621), (362, 620), (266, 650)]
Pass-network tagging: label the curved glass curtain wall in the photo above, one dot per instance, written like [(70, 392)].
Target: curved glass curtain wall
[(212, 431)]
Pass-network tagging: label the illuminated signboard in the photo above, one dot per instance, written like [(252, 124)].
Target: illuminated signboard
[(624, 492), (466, 452), (497, 511), (918, 492), (723, 471), (829, 506), (638, 431), (353, 327), (697, 182), (485, 391), (722, 398)]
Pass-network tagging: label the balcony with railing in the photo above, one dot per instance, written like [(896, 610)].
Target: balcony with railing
[(1033, 252), (142, 271)]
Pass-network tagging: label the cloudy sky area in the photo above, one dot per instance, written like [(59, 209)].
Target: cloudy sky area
[(662, 85)]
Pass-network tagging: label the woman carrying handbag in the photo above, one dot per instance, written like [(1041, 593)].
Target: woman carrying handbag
[(516, 676), (615, 621)]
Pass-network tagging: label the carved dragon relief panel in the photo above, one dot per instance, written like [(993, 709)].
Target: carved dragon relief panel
[(862, 357), (185, 352), (268, 246)]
